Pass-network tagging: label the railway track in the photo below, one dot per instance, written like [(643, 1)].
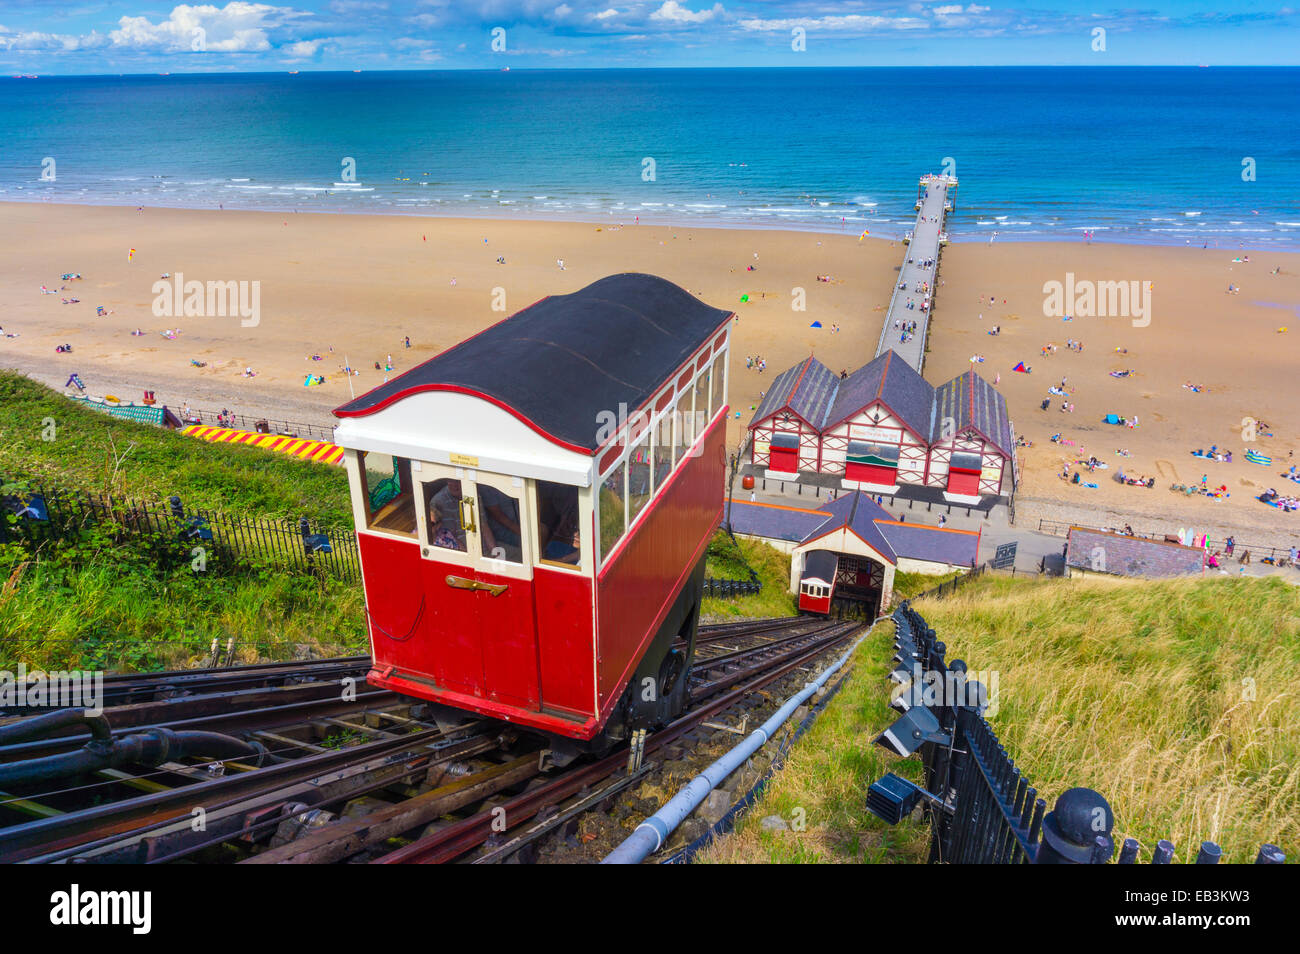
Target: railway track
[(305, 772)]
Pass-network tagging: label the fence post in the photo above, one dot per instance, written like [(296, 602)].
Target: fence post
[(1077, 830)]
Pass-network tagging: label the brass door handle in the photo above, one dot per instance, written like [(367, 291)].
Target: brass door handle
[(460, 583)]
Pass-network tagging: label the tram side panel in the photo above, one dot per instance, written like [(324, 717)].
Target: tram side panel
[(637, 589)]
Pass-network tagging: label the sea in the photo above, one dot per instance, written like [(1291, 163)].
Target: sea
[(1178, 156)]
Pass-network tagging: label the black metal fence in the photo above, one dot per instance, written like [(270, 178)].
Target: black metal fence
[(730, 589), (34, 513), (982, 808)]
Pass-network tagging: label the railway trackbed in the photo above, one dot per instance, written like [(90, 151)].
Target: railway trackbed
[(306, 763)]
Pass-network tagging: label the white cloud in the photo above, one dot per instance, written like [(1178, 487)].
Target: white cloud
[(35, 41), (844, 24), (605, 14), (674, 12), (238, 27)]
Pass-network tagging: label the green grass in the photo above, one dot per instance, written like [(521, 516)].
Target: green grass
[(89, 450), (908, 585), (103, 600), (122, 615), (821, 790), (1176, 700), (730, 559)]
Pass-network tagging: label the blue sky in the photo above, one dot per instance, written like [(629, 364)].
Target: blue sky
[(137, 36)]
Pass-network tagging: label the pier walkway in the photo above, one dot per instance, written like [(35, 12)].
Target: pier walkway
[(913, 296)]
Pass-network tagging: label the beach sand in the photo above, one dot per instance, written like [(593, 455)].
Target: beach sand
[(360, 284)]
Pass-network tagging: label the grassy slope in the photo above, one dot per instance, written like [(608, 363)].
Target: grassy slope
[(1175, 699), (825, 779), (730, 559), (102, 604), (95, 452)]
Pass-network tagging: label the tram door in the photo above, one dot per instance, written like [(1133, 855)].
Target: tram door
[(477, 576)]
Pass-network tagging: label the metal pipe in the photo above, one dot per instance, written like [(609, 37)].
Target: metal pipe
[(151, 747), (654, 831)]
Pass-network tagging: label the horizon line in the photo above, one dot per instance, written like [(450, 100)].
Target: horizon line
[(651, 69)]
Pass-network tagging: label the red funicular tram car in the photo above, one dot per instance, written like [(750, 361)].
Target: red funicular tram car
[(534, 504)]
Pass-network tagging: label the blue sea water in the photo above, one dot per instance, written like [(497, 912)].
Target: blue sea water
[(1150, 155)]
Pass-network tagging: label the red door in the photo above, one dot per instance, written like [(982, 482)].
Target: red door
[(964, 482), (871, 474), (785, 460), (479, 629)]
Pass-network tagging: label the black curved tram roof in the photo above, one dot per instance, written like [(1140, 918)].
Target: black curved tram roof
[(567, 358)]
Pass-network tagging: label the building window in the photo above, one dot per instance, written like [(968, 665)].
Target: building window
[(559, 530), (613, 509)]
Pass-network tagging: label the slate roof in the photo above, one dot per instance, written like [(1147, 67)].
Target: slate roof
[(859, 513), (772, 521), (915, 541), (972, 402), (1120, 554), (562, 361), (891, 379), (807, 389)]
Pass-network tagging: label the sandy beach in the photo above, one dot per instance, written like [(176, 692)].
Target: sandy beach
[(352, 287)]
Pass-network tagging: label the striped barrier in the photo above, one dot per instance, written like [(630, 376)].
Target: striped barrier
[(322, 451), (1257, 458)]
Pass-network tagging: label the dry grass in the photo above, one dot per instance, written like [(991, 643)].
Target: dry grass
[(1177, 700)]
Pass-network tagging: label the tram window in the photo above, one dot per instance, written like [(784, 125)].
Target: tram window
[(719, 382), (663, 449), (702, 410), (613, 519), (639, 478), (685, 424), (498, 525), (390, 503), (442, 509), (559, 530)]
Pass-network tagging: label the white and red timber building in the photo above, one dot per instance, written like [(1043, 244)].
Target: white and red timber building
[(885, 429)]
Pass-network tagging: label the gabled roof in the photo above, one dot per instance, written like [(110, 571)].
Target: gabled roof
[(970, 401), (807, 389), (857, 512), (562, 362), (890, 379)]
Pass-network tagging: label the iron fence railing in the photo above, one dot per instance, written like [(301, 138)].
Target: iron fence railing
[(35, 512), (730, 589), (982, 808)]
